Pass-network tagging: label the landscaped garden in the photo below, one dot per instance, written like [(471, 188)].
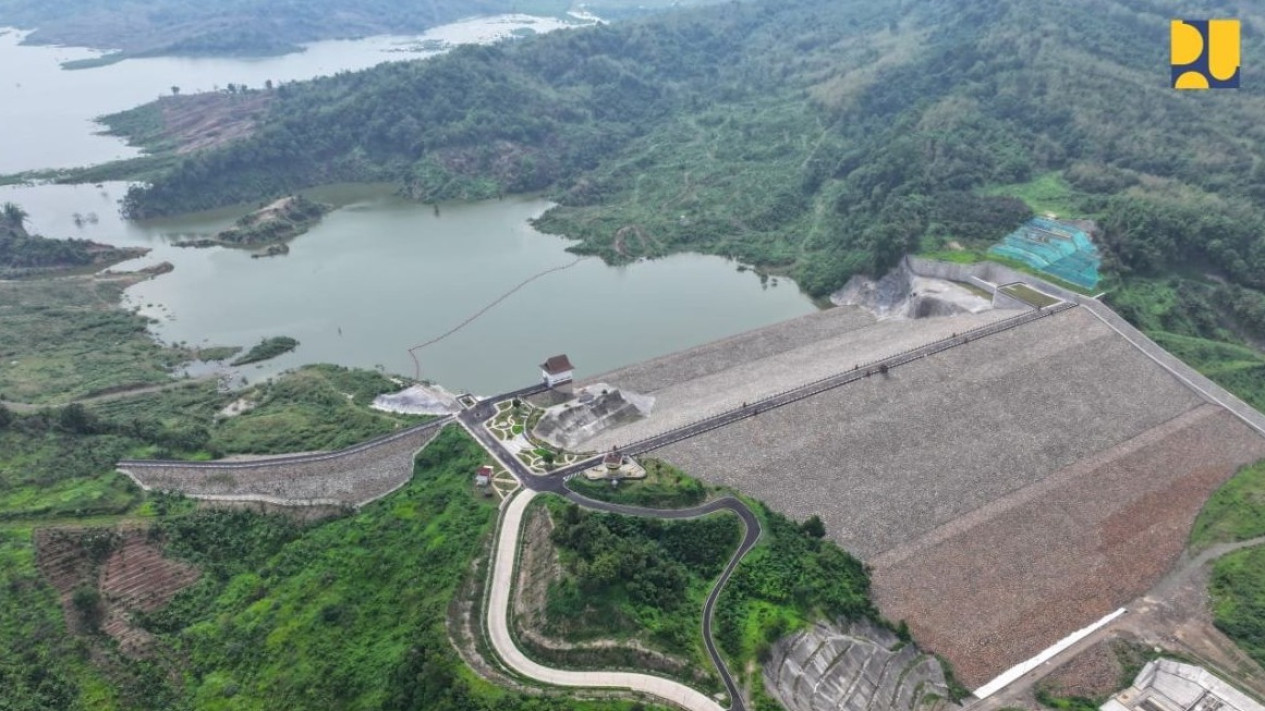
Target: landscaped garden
[(512, 425)]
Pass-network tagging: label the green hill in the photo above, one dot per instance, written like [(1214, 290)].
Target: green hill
[(812, 137)]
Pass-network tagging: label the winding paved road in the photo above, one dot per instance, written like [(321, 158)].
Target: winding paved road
[(502, 584)]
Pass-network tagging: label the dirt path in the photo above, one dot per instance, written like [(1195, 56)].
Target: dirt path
[(25, 408)]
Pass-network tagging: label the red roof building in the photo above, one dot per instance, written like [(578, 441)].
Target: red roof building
[(557, 370)]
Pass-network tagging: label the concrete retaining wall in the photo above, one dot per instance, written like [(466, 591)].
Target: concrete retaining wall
[(991, 272)]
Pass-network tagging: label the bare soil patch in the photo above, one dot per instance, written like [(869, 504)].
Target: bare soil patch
[(123, 570), (200, 121)]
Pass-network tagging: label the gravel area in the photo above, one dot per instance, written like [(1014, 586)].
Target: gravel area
[(653, 375), (1092, 673), (355, 478), (887, 459), (698, 383), (1002, 584)]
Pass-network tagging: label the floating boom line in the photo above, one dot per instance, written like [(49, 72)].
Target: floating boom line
[(417, 365)]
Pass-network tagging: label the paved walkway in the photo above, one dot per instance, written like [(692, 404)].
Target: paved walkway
[(503, 642)]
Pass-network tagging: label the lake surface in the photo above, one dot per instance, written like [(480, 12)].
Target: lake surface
[(46, 113), (380, 274)]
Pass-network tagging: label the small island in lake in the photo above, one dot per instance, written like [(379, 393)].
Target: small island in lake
[(269, 226), (266, 349)]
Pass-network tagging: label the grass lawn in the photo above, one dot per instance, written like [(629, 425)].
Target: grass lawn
[(1239, 369), (789, 579), (66, 338), (665, 486), (974, 289), (313, 408), (1029, 296), (955, 256), (971, 256), (1047, 192), (1235, 512)]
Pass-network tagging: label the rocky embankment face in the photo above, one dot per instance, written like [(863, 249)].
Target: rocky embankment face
[(602, 408), (903, 294), (859, 668)]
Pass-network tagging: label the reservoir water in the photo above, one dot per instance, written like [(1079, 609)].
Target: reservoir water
[(47, 113), (380, 274)]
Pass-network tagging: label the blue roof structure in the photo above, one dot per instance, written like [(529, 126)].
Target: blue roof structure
[(1056, 248)]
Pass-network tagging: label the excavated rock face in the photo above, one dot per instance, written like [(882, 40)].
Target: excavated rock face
[(572, 423), (903, 294), (859, 668)]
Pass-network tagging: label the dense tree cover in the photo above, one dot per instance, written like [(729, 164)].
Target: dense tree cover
[(626, 575), (348, 615), (820, 138), (793, 577), (21, 252), (345, 614), (267, 349)]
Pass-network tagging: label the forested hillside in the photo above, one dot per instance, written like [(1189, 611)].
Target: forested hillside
[(815, 137), (23, 254)]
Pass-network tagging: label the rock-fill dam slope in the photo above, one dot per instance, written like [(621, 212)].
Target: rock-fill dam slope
[(1006, 492)]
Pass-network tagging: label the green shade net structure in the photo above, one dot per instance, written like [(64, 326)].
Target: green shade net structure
[(1056, 248)]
